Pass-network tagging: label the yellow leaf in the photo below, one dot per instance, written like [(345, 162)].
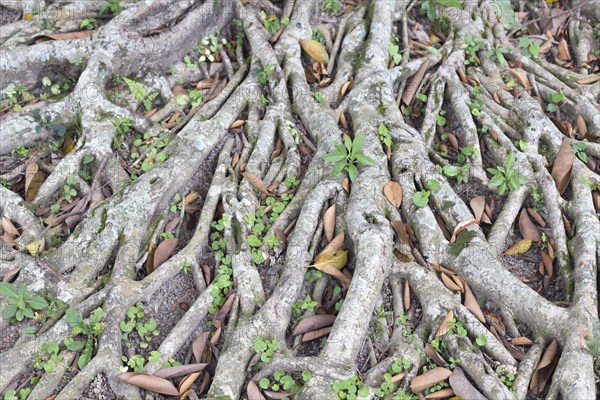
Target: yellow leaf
[(337, 258), (315, 50), (35, 247), (519, 247)]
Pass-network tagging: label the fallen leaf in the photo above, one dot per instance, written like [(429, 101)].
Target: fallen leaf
[(445, 325), (163, 251), (199, 345), (441, 394), (434, 355), (400, 231), (521, 77), (256, 182), (562, 51), (472, 305), (149, 382), (589, 79), (316, 334), (518, 248), (462, 226), (220, 316), (450, 284), (215, 337), (179, 370), (9, 227), (462, 386), (561, 170), (313, 322), (315, 50), (537, 217), (333, 245), (453, 141), (429, 378), (521, 341), (276, 395), (415, 82), (527, 228), (345, 87), (393, 192), (253, 391), (547, 263), (332, 270), (63, 36), (33, 180), (10, 274), (406, 300), (346, 184), (337, 258), (544, 369), (35, 247), (329, 223), (478, 207), (188, 382), (401, 256), (551, 19)]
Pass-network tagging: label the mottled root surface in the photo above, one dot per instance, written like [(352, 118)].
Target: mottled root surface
[(190, 210)]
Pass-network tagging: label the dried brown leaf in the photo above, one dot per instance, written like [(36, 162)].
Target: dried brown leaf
[(429, 378), (393, 192), (406, 300), (253, 391), (316, 334), (33, 180), (561, 170), (63, 36), (588, 80), (313, 322), (10, 274), (544, 369), (445, 326), (199, 345), (450, 284), (527, 228), (478, 206), (220, 316), (472, 305), (151, 383), (329, 223), (256, 182), (537, 217), (434, 355), (521, 341), (547, 262), (188, 382), (400, 231), (179, 370), (9, 227), (415, 82), (164, 251), (441, 394), (333, 245)]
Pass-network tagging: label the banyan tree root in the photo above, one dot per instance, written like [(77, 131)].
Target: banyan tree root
[(272, 207)]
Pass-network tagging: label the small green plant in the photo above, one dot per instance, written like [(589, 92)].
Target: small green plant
[(348, 156), (521, 144), (555, 100), (265, 348), (384, 135), (451, 171), (69, 190), (331, 6), (146, 329), (529, 48), (209, 46), (89, 24), (402, 395), (350, 388), (21, 395), (319, 98), (458, 326), (21, 302), (394, 50), (280, 381), (110, 7), (271, 23), (538, 199), (48, 358), (223, 280), (262, 74), (507, 374), (388, 386), (498, 52), (185, 266), (507, 177), (481, 340), (89, 331), (123, 127), (440, 119), (305, 304), (421, 198), (440, 22), (593, 343), (140, 93), (21, 151), (471, 45), (579, 149)]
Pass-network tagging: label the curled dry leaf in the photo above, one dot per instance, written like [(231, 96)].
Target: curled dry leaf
[(461, 226), (544, 369), (199, 345), (220, 316), (588, 80), (434, 355), (344, 88), (547, 263), (151, 383), (256, 182), (518, 248), (429, 378), (462, 387), (478, 207), (33, 180), (346, 184), (316, 334), (406, 299), (276, 395), (333, 245), (313, 322), (9, 227), (453, 141), (315, 50), (527, 228), (329, 223), (561, 170), (188, 382), (537, 217), (63, 36), (337, 258), (393, 192), (415, 82)]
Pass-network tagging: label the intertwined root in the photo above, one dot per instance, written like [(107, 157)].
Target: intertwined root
[(386, 271)]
